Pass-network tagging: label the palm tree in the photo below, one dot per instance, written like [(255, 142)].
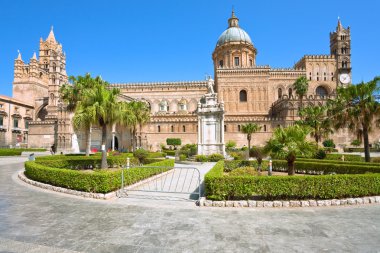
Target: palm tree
[(316, 118), (301, 85), (249, 129), (288, 143), (71, 94), (141, 113), (356, 108), (101, 104)]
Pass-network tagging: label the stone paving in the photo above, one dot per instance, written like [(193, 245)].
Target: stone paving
[(32, 220)]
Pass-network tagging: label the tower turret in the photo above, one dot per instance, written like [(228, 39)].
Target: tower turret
[(340, 47)]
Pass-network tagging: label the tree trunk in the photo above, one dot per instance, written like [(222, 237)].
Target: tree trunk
[(291, 159), (249, 142), (88, 141), (134, 139), (301, 106), (104, 164), (366, 144)]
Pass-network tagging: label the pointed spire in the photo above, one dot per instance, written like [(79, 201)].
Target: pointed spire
[(34, 56), (19, 55), (339, 27), (233, 21), (51, 36)]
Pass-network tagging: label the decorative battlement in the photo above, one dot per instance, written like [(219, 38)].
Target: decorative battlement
[(160, 84)]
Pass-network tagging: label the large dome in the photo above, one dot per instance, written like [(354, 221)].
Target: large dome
[(234, 34)]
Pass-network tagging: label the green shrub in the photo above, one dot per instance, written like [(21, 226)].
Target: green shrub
[(231, 165), (170, 152), (244, 171), (141, 154), (10, 152), (201, 158), (244, 148), (349, 150), (320, 154), (337, 162), (215, 157), (230, 145), (182, 157), (222, 187), (356, 143), (100, 181), (239, 155), (173, 142), (329, 143), (329, 150), (375, 159), (156, 155), (357, 158), (189, 149)]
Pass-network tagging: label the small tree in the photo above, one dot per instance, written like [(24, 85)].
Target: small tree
[(259, 153), (141, 154), (249, 129), (356, 143), (173, 142), (290, 142), (230, 144), (301, 85)]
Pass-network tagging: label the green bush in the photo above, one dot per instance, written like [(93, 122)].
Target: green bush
[(170, 152), (215, 157), (173, 142), (18, 151), (337, 162), (189, 149), (329, 143), (201, 158), (141, 154), (319, 167), (320, 154), (357, 158), (360, 150), (244, 171), (356, 143), (100, 181), (156, 155), (239, 155), (182, 157), (222, 187), (230, 145), (231, 165), (375, 159), (329, 150)]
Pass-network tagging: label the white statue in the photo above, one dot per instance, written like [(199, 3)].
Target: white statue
[(210, 86)]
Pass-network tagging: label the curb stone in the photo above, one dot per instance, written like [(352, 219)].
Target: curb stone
[(291, 203)]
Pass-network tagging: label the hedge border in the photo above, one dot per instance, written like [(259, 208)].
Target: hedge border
[(102, 181), (221, 187)]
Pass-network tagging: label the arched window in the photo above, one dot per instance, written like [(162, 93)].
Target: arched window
[(321, 91), (332, 76), (290, 92), (237, 61), (159, 129), (182, 105), (279, 91), (164, 106), (54, 67), (184, 129), (250, 62), (41, 74), (265, 128), (53, 80), (221, 63), (238, 128), (225, 128), (243, 96), (172, 128)]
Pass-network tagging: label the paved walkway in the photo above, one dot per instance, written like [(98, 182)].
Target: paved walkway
[(32, 220), (180, 184)]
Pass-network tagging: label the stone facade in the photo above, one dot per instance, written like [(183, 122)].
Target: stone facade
[(249, 92)]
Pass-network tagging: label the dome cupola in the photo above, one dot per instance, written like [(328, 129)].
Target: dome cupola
[(234, 48)]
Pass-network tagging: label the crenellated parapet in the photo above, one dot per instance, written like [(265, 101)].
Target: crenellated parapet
[(183, 84)]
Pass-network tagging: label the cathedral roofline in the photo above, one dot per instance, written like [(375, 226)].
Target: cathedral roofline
[(148, 84)]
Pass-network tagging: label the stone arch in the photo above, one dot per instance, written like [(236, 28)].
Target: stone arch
[(41, 112), (322, 90)]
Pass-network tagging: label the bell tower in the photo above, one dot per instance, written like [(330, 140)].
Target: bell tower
[(340, 47)]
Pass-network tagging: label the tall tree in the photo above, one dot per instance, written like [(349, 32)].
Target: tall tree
[(356, 108), (301, 85), (288, 143), (141, 113), (250, 129), (316, 118), (71, 94), (102, 105)]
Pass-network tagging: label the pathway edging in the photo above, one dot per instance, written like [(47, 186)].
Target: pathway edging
[(92, 195), (291, 203)]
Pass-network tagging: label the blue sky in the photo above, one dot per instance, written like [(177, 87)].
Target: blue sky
[(142, 41)]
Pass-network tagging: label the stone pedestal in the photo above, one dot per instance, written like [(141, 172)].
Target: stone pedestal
[(210, 125)]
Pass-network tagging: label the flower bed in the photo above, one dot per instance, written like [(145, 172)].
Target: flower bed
[(99, 181), (219, 186)]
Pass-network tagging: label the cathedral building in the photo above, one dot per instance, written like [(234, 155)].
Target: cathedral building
[(250, 93)]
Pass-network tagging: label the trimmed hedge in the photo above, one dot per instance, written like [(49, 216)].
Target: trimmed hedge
[(83, 162), (100, 181), (18, 151), (360, 150), (356, 158), (222, 187), (337, 162), (326, 168), (234, 164)]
